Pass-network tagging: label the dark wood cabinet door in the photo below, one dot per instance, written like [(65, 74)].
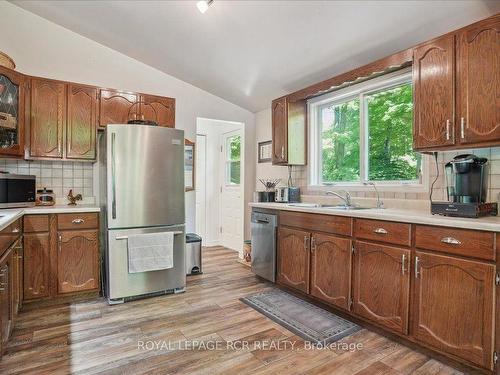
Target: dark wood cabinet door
[(294, 258), (454, 306), (279, 115), (434, 97), (47, 118), (77, 261), (478, 82), (82, 122), (36, 265), (6, 297), (331, 269), (12, 99), (114, 107), (159, 109), (382, 285)]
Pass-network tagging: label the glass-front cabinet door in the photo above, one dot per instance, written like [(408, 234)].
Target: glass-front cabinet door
[(11, 112)]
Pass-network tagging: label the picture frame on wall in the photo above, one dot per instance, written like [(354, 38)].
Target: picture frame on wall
[(265, 151), (189, 165)]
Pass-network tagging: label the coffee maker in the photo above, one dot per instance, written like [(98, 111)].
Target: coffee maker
[(467, 188)]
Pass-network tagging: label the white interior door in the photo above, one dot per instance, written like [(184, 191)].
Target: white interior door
[(231, 200), (200, 185)]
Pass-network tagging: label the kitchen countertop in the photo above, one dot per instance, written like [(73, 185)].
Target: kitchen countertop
[(9, 215), (491, 223)]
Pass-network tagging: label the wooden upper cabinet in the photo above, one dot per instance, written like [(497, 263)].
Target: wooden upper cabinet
[(12, 100), (159, 109), (434, 93), (81, 122), (36, 265), (478, 83), (331, 269), (115, 107), (294, 258), (47, 118), (454, 306), (382, 285), (78, 261), (279, 113)]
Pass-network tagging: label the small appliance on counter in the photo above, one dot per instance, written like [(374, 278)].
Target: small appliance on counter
[(467, 187), (17, 190), (269, 195), (45, 197), (290, 193)]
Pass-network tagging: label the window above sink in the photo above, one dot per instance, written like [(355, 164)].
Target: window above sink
[(363, 133)]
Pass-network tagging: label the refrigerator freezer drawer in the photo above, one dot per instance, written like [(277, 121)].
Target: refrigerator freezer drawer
[(122, 284)]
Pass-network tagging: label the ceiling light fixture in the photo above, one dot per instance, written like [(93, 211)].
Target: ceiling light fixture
[(203, 5)]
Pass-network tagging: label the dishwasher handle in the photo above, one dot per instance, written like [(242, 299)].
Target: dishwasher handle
[(264, 219)]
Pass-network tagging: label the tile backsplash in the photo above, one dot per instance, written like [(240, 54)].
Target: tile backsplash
[(58, 176), (299, 175)]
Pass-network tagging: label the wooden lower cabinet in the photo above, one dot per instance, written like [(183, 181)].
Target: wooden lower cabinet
[(382, 285), (331, 269), (6, 311), (77, 261), (454, 306), (294, 258), (36, 265)]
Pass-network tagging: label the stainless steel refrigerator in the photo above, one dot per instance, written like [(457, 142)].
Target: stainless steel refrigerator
[(142, 191)]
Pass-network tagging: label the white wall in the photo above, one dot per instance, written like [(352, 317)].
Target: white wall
[(42, 48)]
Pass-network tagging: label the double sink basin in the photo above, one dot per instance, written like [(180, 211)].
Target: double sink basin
[(340, 207)]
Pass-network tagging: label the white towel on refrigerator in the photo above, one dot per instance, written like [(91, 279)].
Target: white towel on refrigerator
[(150, 252)]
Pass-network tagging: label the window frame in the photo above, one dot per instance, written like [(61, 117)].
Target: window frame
[(360, 91), (228, 161)]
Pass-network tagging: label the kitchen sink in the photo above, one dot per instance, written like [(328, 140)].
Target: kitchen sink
[(329, 206), (346, 208)]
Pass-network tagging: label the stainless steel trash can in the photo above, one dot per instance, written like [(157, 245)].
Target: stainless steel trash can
[(193, 254)]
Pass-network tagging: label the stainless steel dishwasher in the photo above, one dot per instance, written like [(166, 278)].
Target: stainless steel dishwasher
[(264, 245)]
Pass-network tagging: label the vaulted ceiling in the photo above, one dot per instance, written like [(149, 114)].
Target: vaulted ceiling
[(249, 52)]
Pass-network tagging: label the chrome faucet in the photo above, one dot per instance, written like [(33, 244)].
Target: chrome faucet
[(380, 204), (346, 199)]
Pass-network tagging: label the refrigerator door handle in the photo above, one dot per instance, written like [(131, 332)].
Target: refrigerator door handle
[(126, 237), (113, 182)]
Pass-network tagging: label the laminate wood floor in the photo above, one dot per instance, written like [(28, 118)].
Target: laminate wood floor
[(91, 337)]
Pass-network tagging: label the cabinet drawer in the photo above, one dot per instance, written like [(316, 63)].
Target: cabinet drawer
[(384, 231), (465, 242), (9, 235), (36, 223), (316, 222), (77, 221)]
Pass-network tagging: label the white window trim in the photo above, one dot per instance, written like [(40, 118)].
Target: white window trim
[(358, 90)]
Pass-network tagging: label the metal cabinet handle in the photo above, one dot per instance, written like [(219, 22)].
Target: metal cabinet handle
[(306, 239), (448, 130), (462, 127), (282, 152), (380, 231), (403, 261), (313, 244), (15, 230), (451, 241), (78, 221), (417, 272), (60, 243)]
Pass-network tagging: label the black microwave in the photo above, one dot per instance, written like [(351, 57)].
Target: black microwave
[(17, 190)]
